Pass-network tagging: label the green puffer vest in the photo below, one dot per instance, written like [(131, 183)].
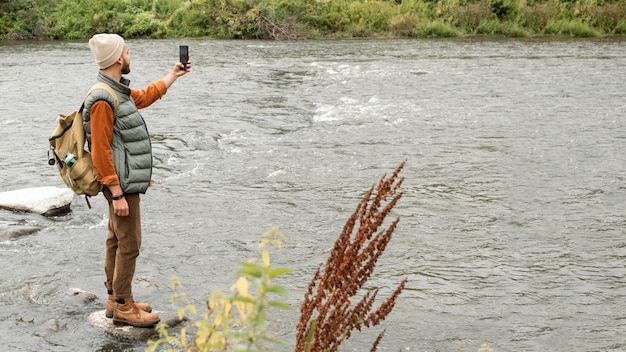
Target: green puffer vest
[(131, 147)]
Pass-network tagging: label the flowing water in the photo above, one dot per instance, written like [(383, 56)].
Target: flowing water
[(511, 225)]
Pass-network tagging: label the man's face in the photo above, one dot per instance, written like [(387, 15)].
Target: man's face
[(125, 61)]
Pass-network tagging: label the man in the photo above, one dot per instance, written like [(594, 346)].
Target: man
[(122, 156)]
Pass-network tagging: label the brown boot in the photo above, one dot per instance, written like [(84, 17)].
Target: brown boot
[(126, 312), (146, 307)]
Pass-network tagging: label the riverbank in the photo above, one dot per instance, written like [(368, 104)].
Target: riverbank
[(309, 19)]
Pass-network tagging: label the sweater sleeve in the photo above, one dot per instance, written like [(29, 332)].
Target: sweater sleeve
[(101, 137), (144, 98)]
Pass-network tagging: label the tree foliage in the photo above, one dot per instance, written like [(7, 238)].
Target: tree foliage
[(300, 19)]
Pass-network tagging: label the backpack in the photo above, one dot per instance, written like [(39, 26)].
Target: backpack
[(68, 152)]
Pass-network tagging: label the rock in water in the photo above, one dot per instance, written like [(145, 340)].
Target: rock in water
[(81, 296), (12, 230), (26, 293), (129, 333), (47, 201), (52, 325)]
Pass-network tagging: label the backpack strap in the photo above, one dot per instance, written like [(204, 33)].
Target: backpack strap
[(102, 85), (116, 103)]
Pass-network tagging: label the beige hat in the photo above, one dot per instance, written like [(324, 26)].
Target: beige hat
[(106, 48)]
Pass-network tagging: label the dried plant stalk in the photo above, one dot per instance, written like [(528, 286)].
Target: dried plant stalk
[(327, 316)]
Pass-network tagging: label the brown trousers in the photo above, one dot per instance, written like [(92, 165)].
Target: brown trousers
[(122, 245)]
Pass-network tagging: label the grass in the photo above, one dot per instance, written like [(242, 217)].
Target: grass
[(310, 19)]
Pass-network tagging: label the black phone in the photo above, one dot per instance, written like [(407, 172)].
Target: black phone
[(184, 55)]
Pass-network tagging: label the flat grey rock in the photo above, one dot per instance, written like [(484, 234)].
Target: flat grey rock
[(11, 230), (129, 333), (81, 296), (47, 201)]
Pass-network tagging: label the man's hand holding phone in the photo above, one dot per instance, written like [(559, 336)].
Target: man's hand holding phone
[(180, 68)]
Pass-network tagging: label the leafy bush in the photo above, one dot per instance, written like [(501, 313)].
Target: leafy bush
[(620, 28), (607, 18), (296, 19), (21, 19), (536, 17), (503, 9), (239, 321), (470, 16), (574, 28), (232, 322), (145, 24), (436, 29), (403, 25)]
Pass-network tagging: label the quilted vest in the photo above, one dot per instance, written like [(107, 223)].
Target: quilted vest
[(131, 147)]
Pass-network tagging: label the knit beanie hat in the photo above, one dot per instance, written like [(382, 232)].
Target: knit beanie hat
[(106, 48)]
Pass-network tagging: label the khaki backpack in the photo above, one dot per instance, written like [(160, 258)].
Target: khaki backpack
[(68, 151)]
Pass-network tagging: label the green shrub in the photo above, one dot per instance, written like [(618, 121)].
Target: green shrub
[(469, 17), (620, 28), (504, 9), (574, 28), (403, 25), (333, 307), (145, 24), (495, 27), (606, 18), (490, 27), (293, 19), (371, 15), (578, 29), (514, 30), (281, 19), (327, 16), (535, 18), (232, 322), (436, 29), (191, 20), (163, 9), (22, 19), (421, 9)]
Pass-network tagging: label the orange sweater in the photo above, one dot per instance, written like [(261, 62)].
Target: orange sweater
[(102, 130)]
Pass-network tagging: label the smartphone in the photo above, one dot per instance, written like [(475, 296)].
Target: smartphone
[(184, 55)]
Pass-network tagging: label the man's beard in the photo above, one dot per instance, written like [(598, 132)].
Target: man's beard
[(125, 67)]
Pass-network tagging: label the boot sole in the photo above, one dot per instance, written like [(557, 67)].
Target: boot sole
[(137, 325)]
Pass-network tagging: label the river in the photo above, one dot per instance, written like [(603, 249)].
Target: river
[(512, 222)]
